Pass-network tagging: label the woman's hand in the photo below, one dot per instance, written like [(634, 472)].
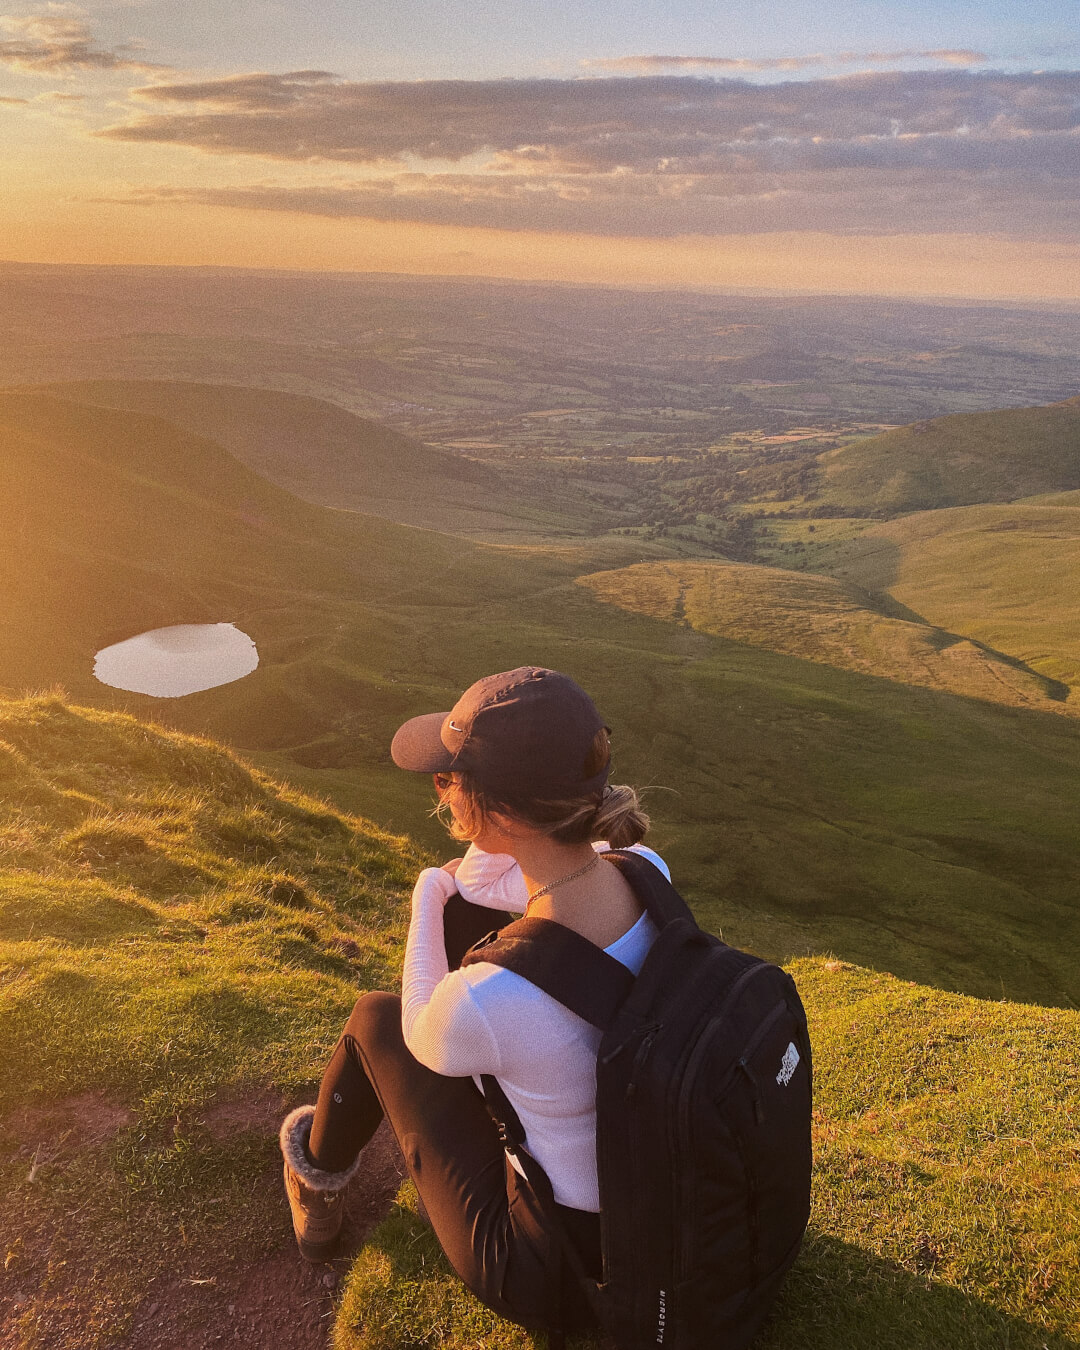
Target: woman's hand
[(452, 866)]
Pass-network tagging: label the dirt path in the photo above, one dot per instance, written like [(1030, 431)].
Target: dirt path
[(279, 1302), (276, 1301)]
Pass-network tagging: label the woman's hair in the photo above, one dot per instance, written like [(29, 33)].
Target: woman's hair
[(613, 813)]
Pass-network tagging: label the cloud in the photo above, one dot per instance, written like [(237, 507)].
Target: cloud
[(877, 152), (58, 41), (646, 124), (741, 64), (842, 199)]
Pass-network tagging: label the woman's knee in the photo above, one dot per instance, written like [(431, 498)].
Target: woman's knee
[(375, 1020)]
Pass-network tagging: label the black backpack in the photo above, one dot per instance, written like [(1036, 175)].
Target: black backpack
[(703, 1089)]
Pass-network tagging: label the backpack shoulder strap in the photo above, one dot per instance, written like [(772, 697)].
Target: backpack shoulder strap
[(652, 888), (573, 970)]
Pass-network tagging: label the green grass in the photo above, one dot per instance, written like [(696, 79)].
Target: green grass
[(1004, 575), (944, 1201), (826, 620), (175, 931), (956, 461), (403, 1295), (178, 931)]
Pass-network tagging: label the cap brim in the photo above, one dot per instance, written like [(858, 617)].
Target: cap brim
[(418, 745)]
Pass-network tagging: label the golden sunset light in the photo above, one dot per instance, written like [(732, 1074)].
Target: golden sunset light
[(896, 169), (539, 675)]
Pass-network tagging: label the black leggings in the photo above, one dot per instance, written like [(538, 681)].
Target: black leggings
[(484, 1216)]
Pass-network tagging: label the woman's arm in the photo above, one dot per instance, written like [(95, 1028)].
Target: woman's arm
[(492, 880), (442, 1026)]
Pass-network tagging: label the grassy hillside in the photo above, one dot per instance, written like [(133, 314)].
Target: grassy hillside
[(807, 809), (944, 1209), (331, 457), (827, 620), (180, 939), (1006, 576), (957, 461), (119, 522)]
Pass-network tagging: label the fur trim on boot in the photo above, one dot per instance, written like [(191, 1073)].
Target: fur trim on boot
[(316, 1198)]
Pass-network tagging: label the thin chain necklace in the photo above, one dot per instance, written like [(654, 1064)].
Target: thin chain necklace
[(572, 876)]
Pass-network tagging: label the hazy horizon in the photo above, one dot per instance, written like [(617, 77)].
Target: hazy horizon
[(744, 292)]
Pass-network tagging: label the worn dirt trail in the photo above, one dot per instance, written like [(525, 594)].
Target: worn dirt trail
[(275, 1301), (279, 1302)]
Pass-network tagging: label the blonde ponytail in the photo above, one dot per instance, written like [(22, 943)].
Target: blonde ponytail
[(620, 818)]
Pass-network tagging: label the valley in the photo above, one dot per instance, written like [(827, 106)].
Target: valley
[(822, 762), (817, 560)]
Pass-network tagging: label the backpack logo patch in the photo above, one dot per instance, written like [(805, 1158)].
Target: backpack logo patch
[(788, 1065)]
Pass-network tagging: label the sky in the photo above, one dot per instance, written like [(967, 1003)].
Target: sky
[(860, 147)]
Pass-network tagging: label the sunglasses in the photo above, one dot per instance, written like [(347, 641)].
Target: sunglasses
[(442, 781)]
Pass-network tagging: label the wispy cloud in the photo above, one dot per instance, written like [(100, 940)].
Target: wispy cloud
[(876, 152), (58, 41), (852, 200), (734, 65)]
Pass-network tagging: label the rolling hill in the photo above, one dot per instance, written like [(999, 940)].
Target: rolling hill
[(181, 938), (119, 522), (832, 621), (956, 461), (807, 809), (1003, 576), (331, 457)]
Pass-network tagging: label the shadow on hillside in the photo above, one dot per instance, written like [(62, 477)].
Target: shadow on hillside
[(837, 1297), (841, 1297)]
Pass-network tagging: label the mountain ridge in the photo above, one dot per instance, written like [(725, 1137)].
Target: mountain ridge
[(958, 460), (330, 456)]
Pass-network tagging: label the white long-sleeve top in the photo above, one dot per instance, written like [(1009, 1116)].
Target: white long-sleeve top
[(485, 1019)]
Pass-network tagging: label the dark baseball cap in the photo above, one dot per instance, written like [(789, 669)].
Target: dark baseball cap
[(522, 733)]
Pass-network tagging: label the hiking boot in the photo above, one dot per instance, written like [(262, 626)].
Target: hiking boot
[(316, 1198)]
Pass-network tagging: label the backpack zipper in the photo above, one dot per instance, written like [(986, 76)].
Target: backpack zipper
[(651, 1032), (617, 1050)]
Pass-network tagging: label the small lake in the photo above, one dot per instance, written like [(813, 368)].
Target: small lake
[(171, 662)]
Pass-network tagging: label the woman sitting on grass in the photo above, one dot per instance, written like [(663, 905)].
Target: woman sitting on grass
[(521, 767)]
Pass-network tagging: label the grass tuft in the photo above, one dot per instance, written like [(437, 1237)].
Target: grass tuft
[(403, 1295)]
